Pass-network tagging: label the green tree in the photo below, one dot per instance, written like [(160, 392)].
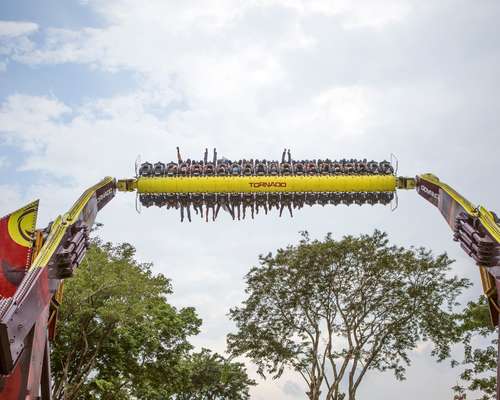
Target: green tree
[(212, 377), (118, 338), (333, 310), (479, 363)]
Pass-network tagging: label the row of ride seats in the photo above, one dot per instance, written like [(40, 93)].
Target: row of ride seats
[(298, 200), (264, 167)]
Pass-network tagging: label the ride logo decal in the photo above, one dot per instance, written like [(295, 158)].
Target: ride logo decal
[(429, 191), (105, 194), (272, 184)]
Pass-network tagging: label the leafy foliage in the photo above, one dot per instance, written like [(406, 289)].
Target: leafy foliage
[(332, 310), (118, 338), (214, 377), (480, 363)]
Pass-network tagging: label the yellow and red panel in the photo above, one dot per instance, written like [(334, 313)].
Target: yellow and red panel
[(16, 244)]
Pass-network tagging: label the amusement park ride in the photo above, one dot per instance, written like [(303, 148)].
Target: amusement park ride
[(34, 262)]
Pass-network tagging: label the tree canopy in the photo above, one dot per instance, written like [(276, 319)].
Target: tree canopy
[(480, 352), (214, 377), (334, 309), (119, 338)]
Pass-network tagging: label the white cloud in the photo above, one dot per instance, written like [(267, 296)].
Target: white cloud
[(81, 146), (14, 40), (30, 121), (10, 200), (361, 14), (12, 29)]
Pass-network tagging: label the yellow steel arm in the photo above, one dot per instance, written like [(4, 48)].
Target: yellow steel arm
[(258, 184), (474, 227)]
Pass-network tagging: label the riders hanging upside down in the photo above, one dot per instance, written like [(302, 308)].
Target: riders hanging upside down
[(236, 204)]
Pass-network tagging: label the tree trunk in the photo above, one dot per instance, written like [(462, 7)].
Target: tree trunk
[(314, 391)]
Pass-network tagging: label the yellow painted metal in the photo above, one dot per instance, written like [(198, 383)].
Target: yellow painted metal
[(486, 218), (480, 212), (126, 185), (490, 291), (55, 236), (256, 184), (74, 212), (466, 204), (406, 183), (61, 224)]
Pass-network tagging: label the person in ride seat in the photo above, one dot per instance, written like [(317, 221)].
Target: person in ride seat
[(385, 197), (146, 200), (172, 169), (196, 169), (235, 202), (273, 200), (146, 169), (222, 168), (311, 199), (323, 199), (347, 198), (185, 203), (159, 169), (324, 166), (286, 201), (298, 200), (223, 202), (274, 168), (184, 168), (172, 201), (260, 167), (235, 169), (247, 167), (197, 201), (286, 164), (334, 198), (248, 201), (360, 198), (371, 198), (261, 201), (385, 167), (312, 167), (208, 169), (349, 167), (337, 167), (210, 202), (286, 168), (298, 167), (372, 167), (361, 166)]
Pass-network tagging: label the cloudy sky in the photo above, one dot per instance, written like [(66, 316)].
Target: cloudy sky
[(88, 85)]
